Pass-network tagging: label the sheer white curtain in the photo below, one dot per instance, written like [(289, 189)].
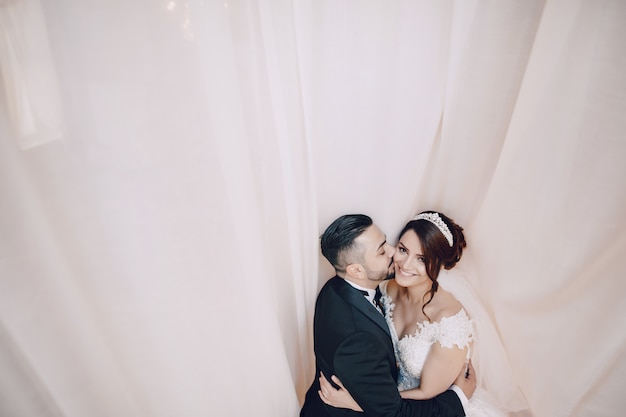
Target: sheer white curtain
[(161, 258)]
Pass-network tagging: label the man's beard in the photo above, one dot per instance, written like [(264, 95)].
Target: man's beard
[(391, 272), (382, 275)]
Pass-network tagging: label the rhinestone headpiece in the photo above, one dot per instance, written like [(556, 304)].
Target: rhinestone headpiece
[(437, 221)]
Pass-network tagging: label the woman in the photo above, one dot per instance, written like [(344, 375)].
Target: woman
[(432, 333)]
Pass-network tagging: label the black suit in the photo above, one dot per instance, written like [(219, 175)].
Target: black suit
[(352, 341)]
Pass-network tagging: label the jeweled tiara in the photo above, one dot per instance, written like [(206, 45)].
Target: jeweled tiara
[(437, 221)]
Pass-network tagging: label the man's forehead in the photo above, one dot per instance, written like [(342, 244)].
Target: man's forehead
[(373, 237)]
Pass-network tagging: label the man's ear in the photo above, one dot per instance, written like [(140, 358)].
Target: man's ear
[(355, 270)]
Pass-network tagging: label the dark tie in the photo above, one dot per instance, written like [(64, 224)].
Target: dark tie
[(377, 299), (365, 293)]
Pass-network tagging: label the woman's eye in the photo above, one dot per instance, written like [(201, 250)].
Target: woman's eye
[(401, 249)]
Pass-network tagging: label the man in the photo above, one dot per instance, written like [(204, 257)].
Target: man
[(351, 337)]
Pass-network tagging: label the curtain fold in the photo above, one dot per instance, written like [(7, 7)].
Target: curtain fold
[(29, 74), (564, 223), (161, 257)]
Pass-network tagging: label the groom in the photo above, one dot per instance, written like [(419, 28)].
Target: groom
[(351, 337)]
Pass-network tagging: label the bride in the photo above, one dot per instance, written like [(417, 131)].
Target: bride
[(433, 333)]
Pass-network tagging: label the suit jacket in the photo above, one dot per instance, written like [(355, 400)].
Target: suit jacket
[(352, 341)]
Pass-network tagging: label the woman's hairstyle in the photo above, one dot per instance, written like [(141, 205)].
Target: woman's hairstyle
[(442, 244), (339, 239)]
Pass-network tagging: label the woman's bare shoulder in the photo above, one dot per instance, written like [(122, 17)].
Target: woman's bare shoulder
[(446, 305), (392, 288)]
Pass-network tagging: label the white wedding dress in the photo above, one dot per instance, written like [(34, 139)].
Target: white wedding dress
[(412, 351)]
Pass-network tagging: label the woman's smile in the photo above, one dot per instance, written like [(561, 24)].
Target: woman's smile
[(404, 272)]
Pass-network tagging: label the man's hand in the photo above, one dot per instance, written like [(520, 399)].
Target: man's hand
[(467, 380)]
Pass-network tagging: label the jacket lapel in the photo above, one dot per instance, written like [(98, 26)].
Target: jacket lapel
[(356, 298)]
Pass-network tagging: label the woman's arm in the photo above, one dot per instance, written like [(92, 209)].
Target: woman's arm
[(441, 368), (338, 398)]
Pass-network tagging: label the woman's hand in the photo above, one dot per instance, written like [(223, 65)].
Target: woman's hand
[(338, 398)]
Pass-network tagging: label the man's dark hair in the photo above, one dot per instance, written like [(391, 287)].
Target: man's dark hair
[(340, 236)]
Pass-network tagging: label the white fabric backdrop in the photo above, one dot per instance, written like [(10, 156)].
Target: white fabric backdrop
[(166, 168)]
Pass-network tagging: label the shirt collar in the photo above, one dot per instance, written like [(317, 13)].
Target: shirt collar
[(370, 292)]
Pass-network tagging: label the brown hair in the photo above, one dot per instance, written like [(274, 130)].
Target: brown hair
[(436, 250)]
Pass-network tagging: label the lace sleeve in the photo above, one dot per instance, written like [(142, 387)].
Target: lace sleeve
[(455, 330), (490, 359)]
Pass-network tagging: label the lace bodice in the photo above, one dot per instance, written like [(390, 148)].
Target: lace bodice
[(412, 350)]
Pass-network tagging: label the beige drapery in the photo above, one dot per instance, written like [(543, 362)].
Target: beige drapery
[(167, 166)]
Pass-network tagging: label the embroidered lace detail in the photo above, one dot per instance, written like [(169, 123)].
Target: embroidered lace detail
[(457, 330), (413, 349)]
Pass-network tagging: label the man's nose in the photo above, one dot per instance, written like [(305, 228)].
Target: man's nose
[(390, 250)]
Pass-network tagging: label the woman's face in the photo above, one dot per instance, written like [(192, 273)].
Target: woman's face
[(409, 262)]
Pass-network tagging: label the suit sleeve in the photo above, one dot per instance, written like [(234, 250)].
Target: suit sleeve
[(362, 365)]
